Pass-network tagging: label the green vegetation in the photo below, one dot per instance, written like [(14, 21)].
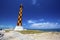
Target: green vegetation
[(30, 31), (8, 30)]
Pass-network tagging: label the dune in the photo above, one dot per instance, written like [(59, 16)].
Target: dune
[(14, 35)]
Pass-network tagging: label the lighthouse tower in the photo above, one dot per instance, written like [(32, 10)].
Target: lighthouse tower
[(19, 22)]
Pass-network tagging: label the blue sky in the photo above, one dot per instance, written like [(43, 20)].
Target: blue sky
[(37, 14)]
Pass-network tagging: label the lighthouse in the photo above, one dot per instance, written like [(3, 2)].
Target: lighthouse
[(19, 21)]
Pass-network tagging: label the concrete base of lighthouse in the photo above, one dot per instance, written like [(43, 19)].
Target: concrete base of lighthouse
[(19, 28)]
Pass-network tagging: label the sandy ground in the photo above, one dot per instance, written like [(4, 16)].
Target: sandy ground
[(12, 35)]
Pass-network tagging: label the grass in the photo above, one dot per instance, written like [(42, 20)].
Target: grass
[(27, 31), (7, 30), (30, 31)]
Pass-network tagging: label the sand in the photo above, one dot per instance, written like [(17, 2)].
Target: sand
[(13, 35)]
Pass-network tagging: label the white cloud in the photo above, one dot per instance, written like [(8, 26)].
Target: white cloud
[(41, 20), (30, 21), (6, 26), (43, 25), (34, 2)]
